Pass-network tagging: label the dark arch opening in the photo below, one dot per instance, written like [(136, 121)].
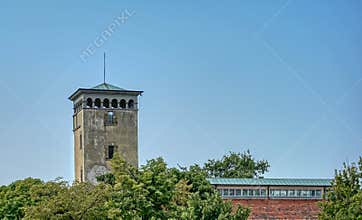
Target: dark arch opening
[(122, 104), (106, 103), (131, 103), (89, 103), (114, 103), (97, 103)]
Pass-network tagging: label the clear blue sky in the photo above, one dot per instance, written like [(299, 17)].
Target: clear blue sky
[(281, 78)]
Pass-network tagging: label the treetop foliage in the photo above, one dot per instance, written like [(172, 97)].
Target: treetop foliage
[(344, 201), (154, 191), (236, 165)]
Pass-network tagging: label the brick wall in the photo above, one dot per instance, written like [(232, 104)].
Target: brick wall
[(280, 208)]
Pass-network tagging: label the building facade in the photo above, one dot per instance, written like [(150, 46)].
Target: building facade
[(274, 198), (105, 121)]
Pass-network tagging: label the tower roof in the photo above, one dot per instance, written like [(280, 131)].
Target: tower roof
[(104, 88)]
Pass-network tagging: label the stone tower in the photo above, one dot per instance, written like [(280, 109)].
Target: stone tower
[(105, 121)]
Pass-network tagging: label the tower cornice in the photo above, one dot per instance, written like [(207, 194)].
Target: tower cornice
[(103, 91)]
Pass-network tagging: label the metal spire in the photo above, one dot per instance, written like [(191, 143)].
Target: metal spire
[(104, 67)]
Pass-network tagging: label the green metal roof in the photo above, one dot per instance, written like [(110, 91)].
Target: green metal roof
[(270, 181), (106, 86)]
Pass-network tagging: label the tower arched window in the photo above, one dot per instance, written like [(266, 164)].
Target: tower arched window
[(106, 103), (122, 103), (114, 103), (89, 103), (131, 103), (110, 119), (97, 103)]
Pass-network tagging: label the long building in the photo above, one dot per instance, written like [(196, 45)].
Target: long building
[(273, 198)]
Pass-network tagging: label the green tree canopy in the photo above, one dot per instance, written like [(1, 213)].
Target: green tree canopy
[(158, 192), (344, 201), (79, 201), (236, 165), (154, 191), (16, 197)]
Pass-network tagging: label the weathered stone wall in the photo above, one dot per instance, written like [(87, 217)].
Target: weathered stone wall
[(78, 152), (97, 137), (280, 208)]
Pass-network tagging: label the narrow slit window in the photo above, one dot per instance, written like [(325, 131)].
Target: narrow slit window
[(81, 174), (110, 152), (80, 142)]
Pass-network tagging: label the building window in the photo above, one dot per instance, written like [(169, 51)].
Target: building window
[(80, 142), (298, 193), (110, 152), (291, 193), (245, 192), (110, 119), (97, 103), (81, 174), (114, 103), (238, 192), (283, 193), (313, 193), (89, 103), (231, 192), (225, 192), (304, 193), (251, 192), (274, 193), (131, 104), (122, 103), (106, 103), (263, 192)]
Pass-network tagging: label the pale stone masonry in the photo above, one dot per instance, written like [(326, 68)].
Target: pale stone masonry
[(105, 121)]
